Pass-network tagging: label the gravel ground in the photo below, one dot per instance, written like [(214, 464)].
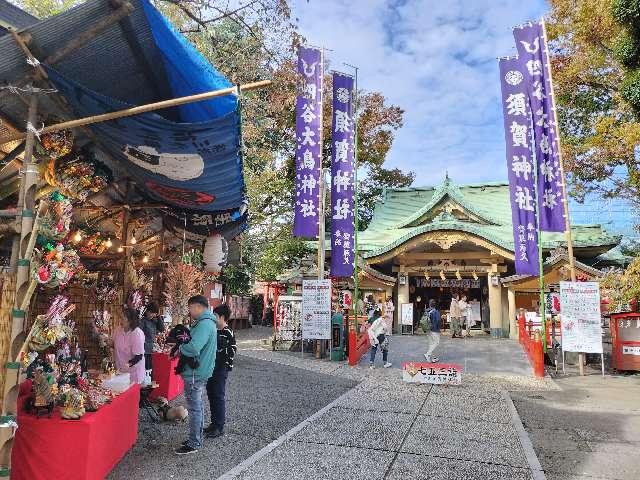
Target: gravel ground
[(264, 400)]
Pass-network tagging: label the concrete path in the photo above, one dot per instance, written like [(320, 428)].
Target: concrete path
[(587, 430), (479, 354)]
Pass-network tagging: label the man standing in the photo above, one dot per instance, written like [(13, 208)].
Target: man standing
[(202, 347), (216, 385), (454, 314), (152, 323), (433, 340)]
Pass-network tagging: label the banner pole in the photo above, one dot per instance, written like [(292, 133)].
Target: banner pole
[(565, 203)]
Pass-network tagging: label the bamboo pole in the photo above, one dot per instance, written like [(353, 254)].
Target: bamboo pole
[(565, 203), (150, 107)]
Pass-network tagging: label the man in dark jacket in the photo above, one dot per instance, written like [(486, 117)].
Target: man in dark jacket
[(433, 338), (217, 383), (151, 324)]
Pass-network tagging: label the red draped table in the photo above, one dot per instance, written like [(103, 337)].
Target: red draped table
[(170, 384), (85, 449)]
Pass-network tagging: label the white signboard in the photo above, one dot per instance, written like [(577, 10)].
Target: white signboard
[(434, 373), (406, 314), (316, 309), (580, 317), (630, 350)]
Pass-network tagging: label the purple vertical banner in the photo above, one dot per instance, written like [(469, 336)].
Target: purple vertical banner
[(308, 142), (517, 126), (342, 177), (532, 51)]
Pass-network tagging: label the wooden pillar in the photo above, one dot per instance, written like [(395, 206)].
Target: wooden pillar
[(513, 323), (495, 301)]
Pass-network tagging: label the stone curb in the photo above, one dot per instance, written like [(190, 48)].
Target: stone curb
[(525, 441)]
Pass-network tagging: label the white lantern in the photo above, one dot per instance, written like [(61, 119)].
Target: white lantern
[(215, 253)]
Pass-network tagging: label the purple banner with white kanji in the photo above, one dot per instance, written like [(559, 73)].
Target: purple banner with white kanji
[(517, 126), (342, 177), (308, 142), (532, 51)]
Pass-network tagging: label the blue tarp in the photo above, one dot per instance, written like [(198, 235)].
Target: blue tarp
[(195, 165)]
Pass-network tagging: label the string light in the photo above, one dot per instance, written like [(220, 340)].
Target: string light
[(108, 243), (77, 237), (475, 275), (120, 249), (145, 259), (442, 275), (458, 276), (133, 239)]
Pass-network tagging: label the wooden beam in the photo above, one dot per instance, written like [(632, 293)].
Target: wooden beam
[(150, 107), (444, 256)]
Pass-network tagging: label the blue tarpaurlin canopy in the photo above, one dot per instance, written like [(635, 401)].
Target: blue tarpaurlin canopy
[(196, 164)]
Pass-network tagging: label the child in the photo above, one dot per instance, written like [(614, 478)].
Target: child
[(216, 385)]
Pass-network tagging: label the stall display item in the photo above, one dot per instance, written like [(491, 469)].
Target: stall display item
[(55, 144), (56, 223), (56, 265), (73, 404), (43, 393), (52, 327), (76, 176)]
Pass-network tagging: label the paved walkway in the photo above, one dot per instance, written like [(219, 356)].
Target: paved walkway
[(479, 354), (587, 430)]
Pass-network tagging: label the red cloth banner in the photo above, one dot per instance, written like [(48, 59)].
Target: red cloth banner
[(164, 373), (85, 449)]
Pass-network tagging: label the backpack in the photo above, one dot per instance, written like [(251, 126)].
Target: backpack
[(426, 322)]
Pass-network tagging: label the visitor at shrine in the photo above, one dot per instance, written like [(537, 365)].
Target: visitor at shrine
[(128, 345), (463, 306), (217, 383), (202, 347), (454, 315), (151, 324), (433, 336), (378, 337)]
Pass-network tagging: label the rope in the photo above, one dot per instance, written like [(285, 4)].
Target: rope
[(33, 61), (28, 89), (34, 130)]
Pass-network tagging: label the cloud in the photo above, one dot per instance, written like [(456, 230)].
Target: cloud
[(437, 60)]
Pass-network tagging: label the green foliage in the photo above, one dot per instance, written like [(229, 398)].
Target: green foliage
[(278, 256), (46, 8), (236, 279), (626, 11), (626, 48), (630, 89)]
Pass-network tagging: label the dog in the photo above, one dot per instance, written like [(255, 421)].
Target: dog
[(168, 413), (180, 335)]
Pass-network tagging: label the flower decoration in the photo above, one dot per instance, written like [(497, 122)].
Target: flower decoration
[(56, 224), (57, 265), (53, 326)]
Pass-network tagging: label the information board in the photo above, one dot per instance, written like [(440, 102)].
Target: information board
[(316, 309), (434, 373), (580, 317), (406, 314)]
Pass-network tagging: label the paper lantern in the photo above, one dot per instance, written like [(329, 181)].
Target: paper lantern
[(215, 253)]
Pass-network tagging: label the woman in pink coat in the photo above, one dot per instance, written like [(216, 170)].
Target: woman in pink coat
[(128, 346)]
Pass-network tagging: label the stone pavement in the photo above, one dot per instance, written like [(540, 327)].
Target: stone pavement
[(587, 430), (299, 418)]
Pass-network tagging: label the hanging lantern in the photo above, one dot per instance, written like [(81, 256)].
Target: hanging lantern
[(215, 253)]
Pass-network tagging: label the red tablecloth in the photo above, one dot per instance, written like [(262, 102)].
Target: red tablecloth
[(171, 385), (85, 449)]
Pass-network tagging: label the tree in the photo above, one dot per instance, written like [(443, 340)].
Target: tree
[(599, 125), (372, 189)]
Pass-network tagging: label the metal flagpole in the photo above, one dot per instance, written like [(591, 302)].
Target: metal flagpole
[(355, 197), (565, 203)]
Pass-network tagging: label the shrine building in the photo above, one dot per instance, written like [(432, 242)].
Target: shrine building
[(458, 239)]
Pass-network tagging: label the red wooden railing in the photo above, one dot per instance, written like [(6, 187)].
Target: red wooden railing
[(358, 342), (532, 345)]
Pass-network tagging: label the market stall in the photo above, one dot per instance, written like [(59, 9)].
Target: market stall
[(112, 212)]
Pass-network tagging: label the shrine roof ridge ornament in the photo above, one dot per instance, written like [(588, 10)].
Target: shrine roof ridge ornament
[(448, 188)]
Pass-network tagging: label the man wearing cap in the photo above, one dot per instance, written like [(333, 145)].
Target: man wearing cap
[(202, 347)]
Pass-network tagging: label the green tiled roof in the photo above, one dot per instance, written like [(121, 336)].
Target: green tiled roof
[(404, 213)]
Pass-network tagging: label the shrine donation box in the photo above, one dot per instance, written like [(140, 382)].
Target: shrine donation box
[(625, 341)]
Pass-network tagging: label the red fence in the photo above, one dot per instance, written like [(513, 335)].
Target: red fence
[(358, 344), (532, 345)]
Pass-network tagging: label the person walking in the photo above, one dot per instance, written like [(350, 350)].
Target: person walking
[(433, 337), (378, 337), (463, 306), (203, 348), (217, 383), (151, 324), (454, 315)]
